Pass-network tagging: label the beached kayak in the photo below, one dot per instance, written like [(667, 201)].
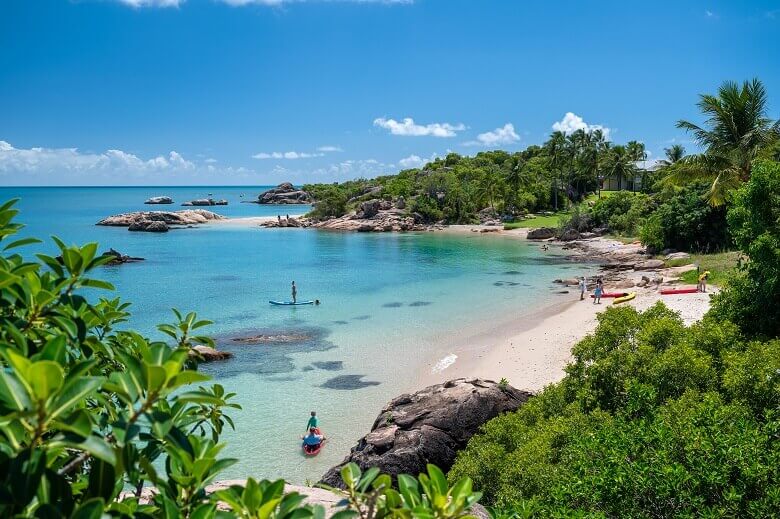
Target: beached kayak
[(611, 294), (625, 298), (671, 291), (290, 303)]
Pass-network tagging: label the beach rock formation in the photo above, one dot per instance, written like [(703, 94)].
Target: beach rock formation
[(651, 264), (429, 426), (543, 233), (150, 221), (284, 193), (118, 258), (159, 200), (205, 202), (570, 235), (287, 222), (384, 220)]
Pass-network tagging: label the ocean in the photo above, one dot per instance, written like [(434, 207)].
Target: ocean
[(390, 303)]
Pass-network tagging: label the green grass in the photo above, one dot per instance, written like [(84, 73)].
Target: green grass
[(537, 221), (721, 265)]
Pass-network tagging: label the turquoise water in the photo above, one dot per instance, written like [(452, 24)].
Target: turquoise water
[(387, 302)]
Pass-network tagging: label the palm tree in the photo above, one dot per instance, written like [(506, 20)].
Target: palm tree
[(619, 162), (556, 150), (515, 177), (735, 130), (673, 155)]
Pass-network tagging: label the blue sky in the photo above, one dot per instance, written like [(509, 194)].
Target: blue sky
[(161, 92)]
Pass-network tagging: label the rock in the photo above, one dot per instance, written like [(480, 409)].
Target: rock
[(570, 235), (119, 258), (658, 280), (184, 217), (208, 354), (400, 203), (652, 264), (159, 200), (678, 256), (205, 202), (488, 214), (599, 231), (588, 235), (543, 233), (429, 426), (369, 208), (284, 193), (666, 252), (148, 226)]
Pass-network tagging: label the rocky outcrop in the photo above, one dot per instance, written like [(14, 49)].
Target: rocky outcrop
[(388, 220), (284, 193), (159, 200), (489, 216), (117, 258), (570, 235), (543, 233), (429, 426), (142, 220), (205, 202), (287, 222), (148, 226), (651, 264), (203, 353)]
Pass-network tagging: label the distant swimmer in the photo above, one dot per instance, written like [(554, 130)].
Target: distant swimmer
[(294, 293)]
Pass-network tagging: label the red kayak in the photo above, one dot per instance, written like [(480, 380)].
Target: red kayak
[(611, 294), (672, 291), (313, 450)]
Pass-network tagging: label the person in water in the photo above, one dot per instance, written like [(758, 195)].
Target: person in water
[(294, 292), (313, 422), (313, 439)]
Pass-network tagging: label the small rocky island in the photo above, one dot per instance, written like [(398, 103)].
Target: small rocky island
[(284, 193), (429, 426), (160, 221), (159, 200), (205, 202)]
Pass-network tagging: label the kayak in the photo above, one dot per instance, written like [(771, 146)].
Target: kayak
[(611, 294), (625, 298), (671, 291), (290, 303), (313, 450)]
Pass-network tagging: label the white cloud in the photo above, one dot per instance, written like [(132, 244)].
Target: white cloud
[(415, 161), (288, 155), (329, 149), (504, 135), (408, 127), (210, 161), (153, 3), (572, 122)]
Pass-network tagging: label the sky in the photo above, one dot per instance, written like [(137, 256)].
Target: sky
[(242, 92)]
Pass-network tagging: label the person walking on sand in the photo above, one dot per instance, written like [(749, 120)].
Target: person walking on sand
[(702, 286), (597, 293), (294, 293), (583, 287)]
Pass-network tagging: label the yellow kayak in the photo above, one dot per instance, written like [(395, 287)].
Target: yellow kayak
[(627, 297)]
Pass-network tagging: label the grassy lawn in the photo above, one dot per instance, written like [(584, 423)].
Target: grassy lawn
[(536, 221), (720, 265)]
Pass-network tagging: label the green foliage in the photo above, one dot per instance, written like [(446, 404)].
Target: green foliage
[(370, 495), (686, 221), (752, 300), (623, 213), (653, 419)]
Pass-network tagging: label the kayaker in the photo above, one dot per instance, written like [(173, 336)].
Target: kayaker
[(294, 292), (313, 439), (703, 281), (313, 422)]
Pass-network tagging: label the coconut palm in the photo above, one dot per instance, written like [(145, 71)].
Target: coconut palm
[(620, 163), (556, 150), (735, 130), (673, 155)]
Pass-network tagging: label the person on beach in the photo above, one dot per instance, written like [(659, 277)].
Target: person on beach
[(597, 292), (583, 287), (702, 286), (313, 422), (294, 292)]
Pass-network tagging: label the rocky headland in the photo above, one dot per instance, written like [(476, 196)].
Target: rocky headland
[(429, 426), (160, 221)]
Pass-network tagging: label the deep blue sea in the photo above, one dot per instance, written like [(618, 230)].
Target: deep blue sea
[(387, 302)]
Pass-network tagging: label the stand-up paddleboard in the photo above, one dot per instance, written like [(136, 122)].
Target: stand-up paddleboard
[(672, 291), (611, 294), (625, 298), (290, 303)]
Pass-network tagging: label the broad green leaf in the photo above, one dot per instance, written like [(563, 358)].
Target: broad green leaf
[(13, 394), (90, 509), (21, 242), (102, 480), (154, 376), (45, 377), (77, 422), (74, 392)]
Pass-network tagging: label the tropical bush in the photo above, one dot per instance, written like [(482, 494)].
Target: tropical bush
[(752, 299), (653, 419), (91, 412), (623, 212)]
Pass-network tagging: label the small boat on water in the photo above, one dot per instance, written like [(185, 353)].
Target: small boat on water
[(313, 450), (291, 303)]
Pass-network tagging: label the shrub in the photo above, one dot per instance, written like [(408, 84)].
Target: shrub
[(428, 208), (623, 212)]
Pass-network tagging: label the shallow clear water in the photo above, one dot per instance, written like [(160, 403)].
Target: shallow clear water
[(387, 302)]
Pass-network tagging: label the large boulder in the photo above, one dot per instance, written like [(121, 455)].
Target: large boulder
[(543, 233), (117, 258), (429, 426), (184, 217), (570, 235), (159, 200), (284, 193), (651, 264), (369, 208)]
